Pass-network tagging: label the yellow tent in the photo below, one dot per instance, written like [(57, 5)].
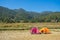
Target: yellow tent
[(44, 30)]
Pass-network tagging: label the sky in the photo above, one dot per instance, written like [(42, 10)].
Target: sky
[(32, 5)]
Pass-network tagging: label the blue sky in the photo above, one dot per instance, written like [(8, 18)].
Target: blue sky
[(32, 5)]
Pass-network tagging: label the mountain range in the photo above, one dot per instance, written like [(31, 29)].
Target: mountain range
[(21, 15)]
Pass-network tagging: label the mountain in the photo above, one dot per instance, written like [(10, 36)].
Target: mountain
[(20, 15), (6, 14)]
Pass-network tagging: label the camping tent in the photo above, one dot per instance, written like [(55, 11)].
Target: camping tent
[(34, 30), (45, 30)]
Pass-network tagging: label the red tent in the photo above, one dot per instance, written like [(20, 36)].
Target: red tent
[(34, 30)]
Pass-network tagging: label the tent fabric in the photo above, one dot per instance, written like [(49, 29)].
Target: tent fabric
[(45, 30), (34, 30)]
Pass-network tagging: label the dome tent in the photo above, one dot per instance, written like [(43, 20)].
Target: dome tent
[(45, 30), (34, 30)]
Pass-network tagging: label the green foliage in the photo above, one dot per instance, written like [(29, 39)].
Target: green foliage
[(21, 15)]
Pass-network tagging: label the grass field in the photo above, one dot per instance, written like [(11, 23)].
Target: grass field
[(12, 32), (26, 35), (29, 25)]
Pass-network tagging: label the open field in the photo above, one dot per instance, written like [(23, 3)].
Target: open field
[(13, 31), (29, 25), (26, 35)]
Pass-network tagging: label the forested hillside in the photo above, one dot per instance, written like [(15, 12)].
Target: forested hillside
[(21, 15)]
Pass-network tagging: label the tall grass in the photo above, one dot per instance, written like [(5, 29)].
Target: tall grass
[(29, 25)]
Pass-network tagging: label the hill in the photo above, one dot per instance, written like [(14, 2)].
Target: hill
[(20, 15)]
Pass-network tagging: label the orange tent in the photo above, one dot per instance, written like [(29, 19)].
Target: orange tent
[(44, 30)]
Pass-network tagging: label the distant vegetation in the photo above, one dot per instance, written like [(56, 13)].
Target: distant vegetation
[(22, 16)]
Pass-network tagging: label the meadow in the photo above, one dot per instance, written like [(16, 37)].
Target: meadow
[(21, 31), (29, 25), (26, 35)]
